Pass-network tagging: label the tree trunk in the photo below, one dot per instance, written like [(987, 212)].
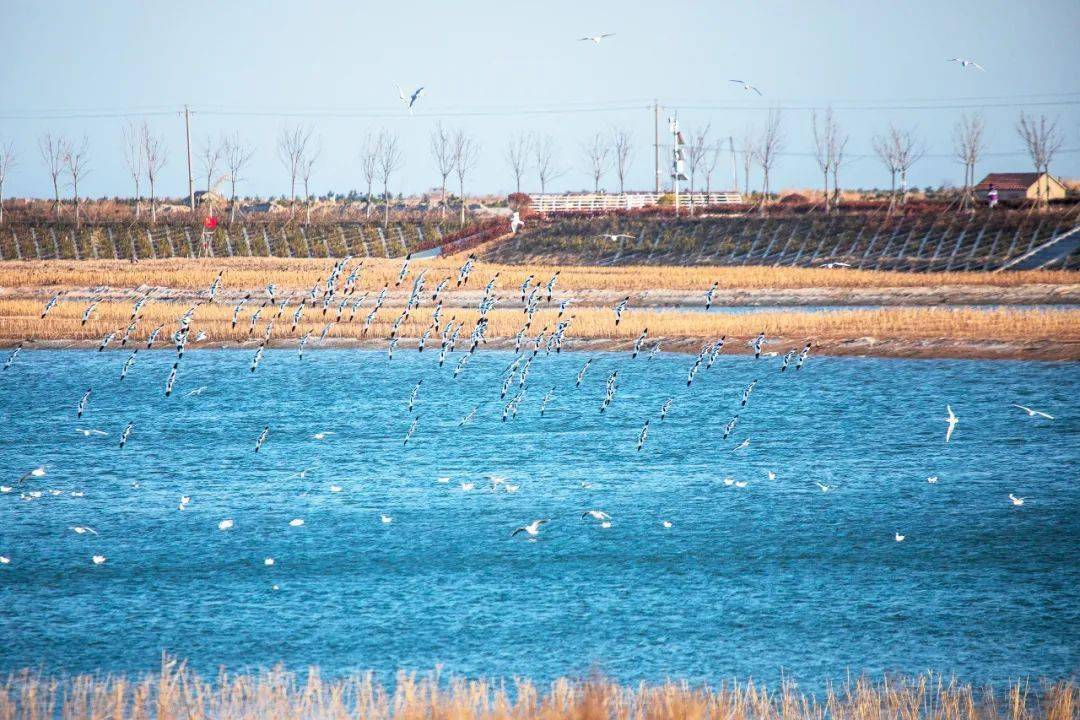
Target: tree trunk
[(1, 203), (461, 187), (442, 200), (367, 205), (826, 195), (232, 204), (153, 205), (56, 194), (138, 207), (836, 186), (75, 190), (386, 204)]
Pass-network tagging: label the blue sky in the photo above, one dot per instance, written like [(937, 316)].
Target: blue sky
[(257, 67)]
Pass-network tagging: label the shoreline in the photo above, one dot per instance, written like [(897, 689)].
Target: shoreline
[(867, 347)]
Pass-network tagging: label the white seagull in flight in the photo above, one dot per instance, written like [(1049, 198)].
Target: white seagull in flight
[(952, 420), (746, 86), (1017, 501), (1033, 413), (964, 63), (532, 529), (596, 38)]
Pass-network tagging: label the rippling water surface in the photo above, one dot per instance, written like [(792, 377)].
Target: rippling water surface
[(775, 576)]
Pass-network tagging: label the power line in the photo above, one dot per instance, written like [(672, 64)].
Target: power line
[(562, 108)]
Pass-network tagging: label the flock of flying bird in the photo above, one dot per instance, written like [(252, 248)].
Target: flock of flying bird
[(337, 295)]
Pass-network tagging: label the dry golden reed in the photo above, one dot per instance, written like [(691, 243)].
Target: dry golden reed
[(176, 693), (20, 320), (295, 275)]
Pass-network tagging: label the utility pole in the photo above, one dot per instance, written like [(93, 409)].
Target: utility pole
[(190, 177), (676, 158), (656, 144)]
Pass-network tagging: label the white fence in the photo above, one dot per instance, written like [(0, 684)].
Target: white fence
[(626, 201)]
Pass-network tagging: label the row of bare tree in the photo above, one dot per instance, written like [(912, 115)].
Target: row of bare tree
[(456, 153)]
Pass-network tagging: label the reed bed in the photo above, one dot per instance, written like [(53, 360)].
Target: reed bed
[(20, 320), (295, 275), (177, 693)]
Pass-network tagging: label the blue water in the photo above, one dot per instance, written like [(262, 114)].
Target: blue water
[(774, 577)]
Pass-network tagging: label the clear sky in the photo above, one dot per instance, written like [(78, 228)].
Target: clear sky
[(255, 67)]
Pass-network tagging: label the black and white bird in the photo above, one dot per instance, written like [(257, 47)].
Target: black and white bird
[(128, 363), (730, 426), (532, 529), (469, 417), (153, 336), (50, 305), (303, 342), (89, 311), (410, 99), (609, 393), (643, 435), (746, 393), (14, 354), (262, 438), (465, 270), (415, 391), (404, 270), (412, 429), (126, 434), (803, 355), (258, 357), (172, 379), (620, 307), (82, 403), (546, 399), (638, 343), (787, 360), (756, 343), (106, 340), (709, 295), (666, 408)]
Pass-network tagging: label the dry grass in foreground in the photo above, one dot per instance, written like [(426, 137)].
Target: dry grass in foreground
[(293, 274), (177, 693), (19, 321)]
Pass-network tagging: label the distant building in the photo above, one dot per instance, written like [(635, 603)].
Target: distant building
[(1021, 186), (202, 197)]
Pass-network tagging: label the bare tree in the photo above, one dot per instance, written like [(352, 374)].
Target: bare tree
[(53, 151), (77, 161), (623, 146), (307, 165), (466, 154), (746, 149), (824, 147), (839, 152), (517, 157), (369, 163), (236, 156), (696, 151), (209, 158), (292, 144), (7, 161), (1042, 139), (442, 152), (597, 152), (388, 160), (712, 159), (155, 154), (968, 145), (898, 150), (134, 160), (546, 163), (769, 144)]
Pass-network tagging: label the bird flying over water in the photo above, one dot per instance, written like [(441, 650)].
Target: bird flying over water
[(82, 403), (126, 434), (1033, 413), (412, 429), (532, 529), (596, 38), (262, 438), (14, 354), (643, 435), (1017, 501), (952, 420), (620, 307)]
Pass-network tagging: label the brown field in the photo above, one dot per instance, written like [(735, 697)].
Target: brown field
[(20, 321), (293, 274), (178, 694)]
